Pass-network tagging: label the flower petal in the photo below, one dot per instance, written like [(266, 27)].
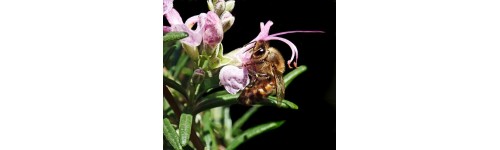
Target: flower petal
[(166, 29), (173, 17), (191, 21), (264, 30), (212, 30), (297, 31), (167, 5), (194, 39), (233, 78)]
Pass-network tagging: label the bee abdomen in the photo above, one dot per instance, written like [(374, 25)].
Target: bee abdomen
[(250, 95)]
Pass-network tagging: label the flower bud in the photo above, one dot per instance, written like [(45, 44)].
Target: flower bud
[(230, 5), (191, 50), (212, 31), (227, 20), (198, 76), (220, 6), (210, 5)]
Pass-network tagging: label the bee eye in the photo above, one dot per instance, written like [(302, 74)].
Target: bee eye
[(259, 52)]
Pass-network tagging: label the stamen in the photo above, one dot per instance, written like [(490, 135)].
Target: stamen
[(297, 31), (292, 46)]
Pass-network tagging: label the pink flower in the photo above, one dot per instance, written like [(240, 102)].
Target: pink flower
[(167, 6), (208, 29), (242, 55), (176, 23), (233, 78), (264, 36), (212, 29)]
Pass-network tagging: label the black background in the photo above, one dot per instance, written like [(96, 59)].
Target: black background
[(312, 125)]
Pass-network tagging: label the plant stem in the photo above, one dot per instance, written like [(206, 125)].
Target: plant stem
[(194, 138), (170, 99)]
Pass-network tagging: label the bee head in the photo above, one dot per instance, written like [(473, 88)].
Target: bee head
[(260, 50)]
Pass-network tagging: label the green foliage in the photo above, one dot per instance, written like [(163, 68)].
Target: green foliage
[(212, 128), (248, 134), (170, 134), (196, 116), (174, 36), (185, 128), (293, 74), (243, 119)]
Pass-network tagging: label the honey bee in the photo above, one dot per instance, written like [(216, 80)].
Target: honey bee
[(265, 69)]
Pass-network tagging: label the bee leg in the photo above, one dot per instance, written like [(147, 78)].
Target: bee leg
[(261, 94), (262, 76), (246, 97)]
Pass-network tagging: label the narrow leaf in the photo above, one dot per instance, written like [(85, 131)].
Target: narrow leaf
[(185, 128), (167, 50), (216, 101), (209, 84), (176, 86), (228, 134), (172, 36), (216, 94), (210, 138), (273, 101), (248, 134), (165, 104), (237, 125), (293, 74), (171, 135), (180, 64)]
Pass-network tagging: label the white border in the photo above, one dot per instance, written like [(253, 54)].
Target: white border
[(80, 74), (418, 75)]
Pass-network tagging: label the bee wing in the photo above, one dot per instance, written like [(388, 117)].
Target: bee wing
[(280, 85)]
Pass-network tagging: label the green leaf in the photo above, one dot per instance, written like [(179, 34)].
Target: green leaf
[(180, 64), (185, 128), (167, 50), (215, 101), (176, 86), (273, 101), (209, 84), (222, 98), (165, 104), (293, 74), (210, 138), (237, 125), (248, 134), (220, 62), (217, 94), (228, 134), (171, 135), (174, 36)]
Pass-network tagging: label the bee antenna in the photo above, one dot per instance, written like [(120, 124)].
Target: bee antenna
[(253, 42)]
